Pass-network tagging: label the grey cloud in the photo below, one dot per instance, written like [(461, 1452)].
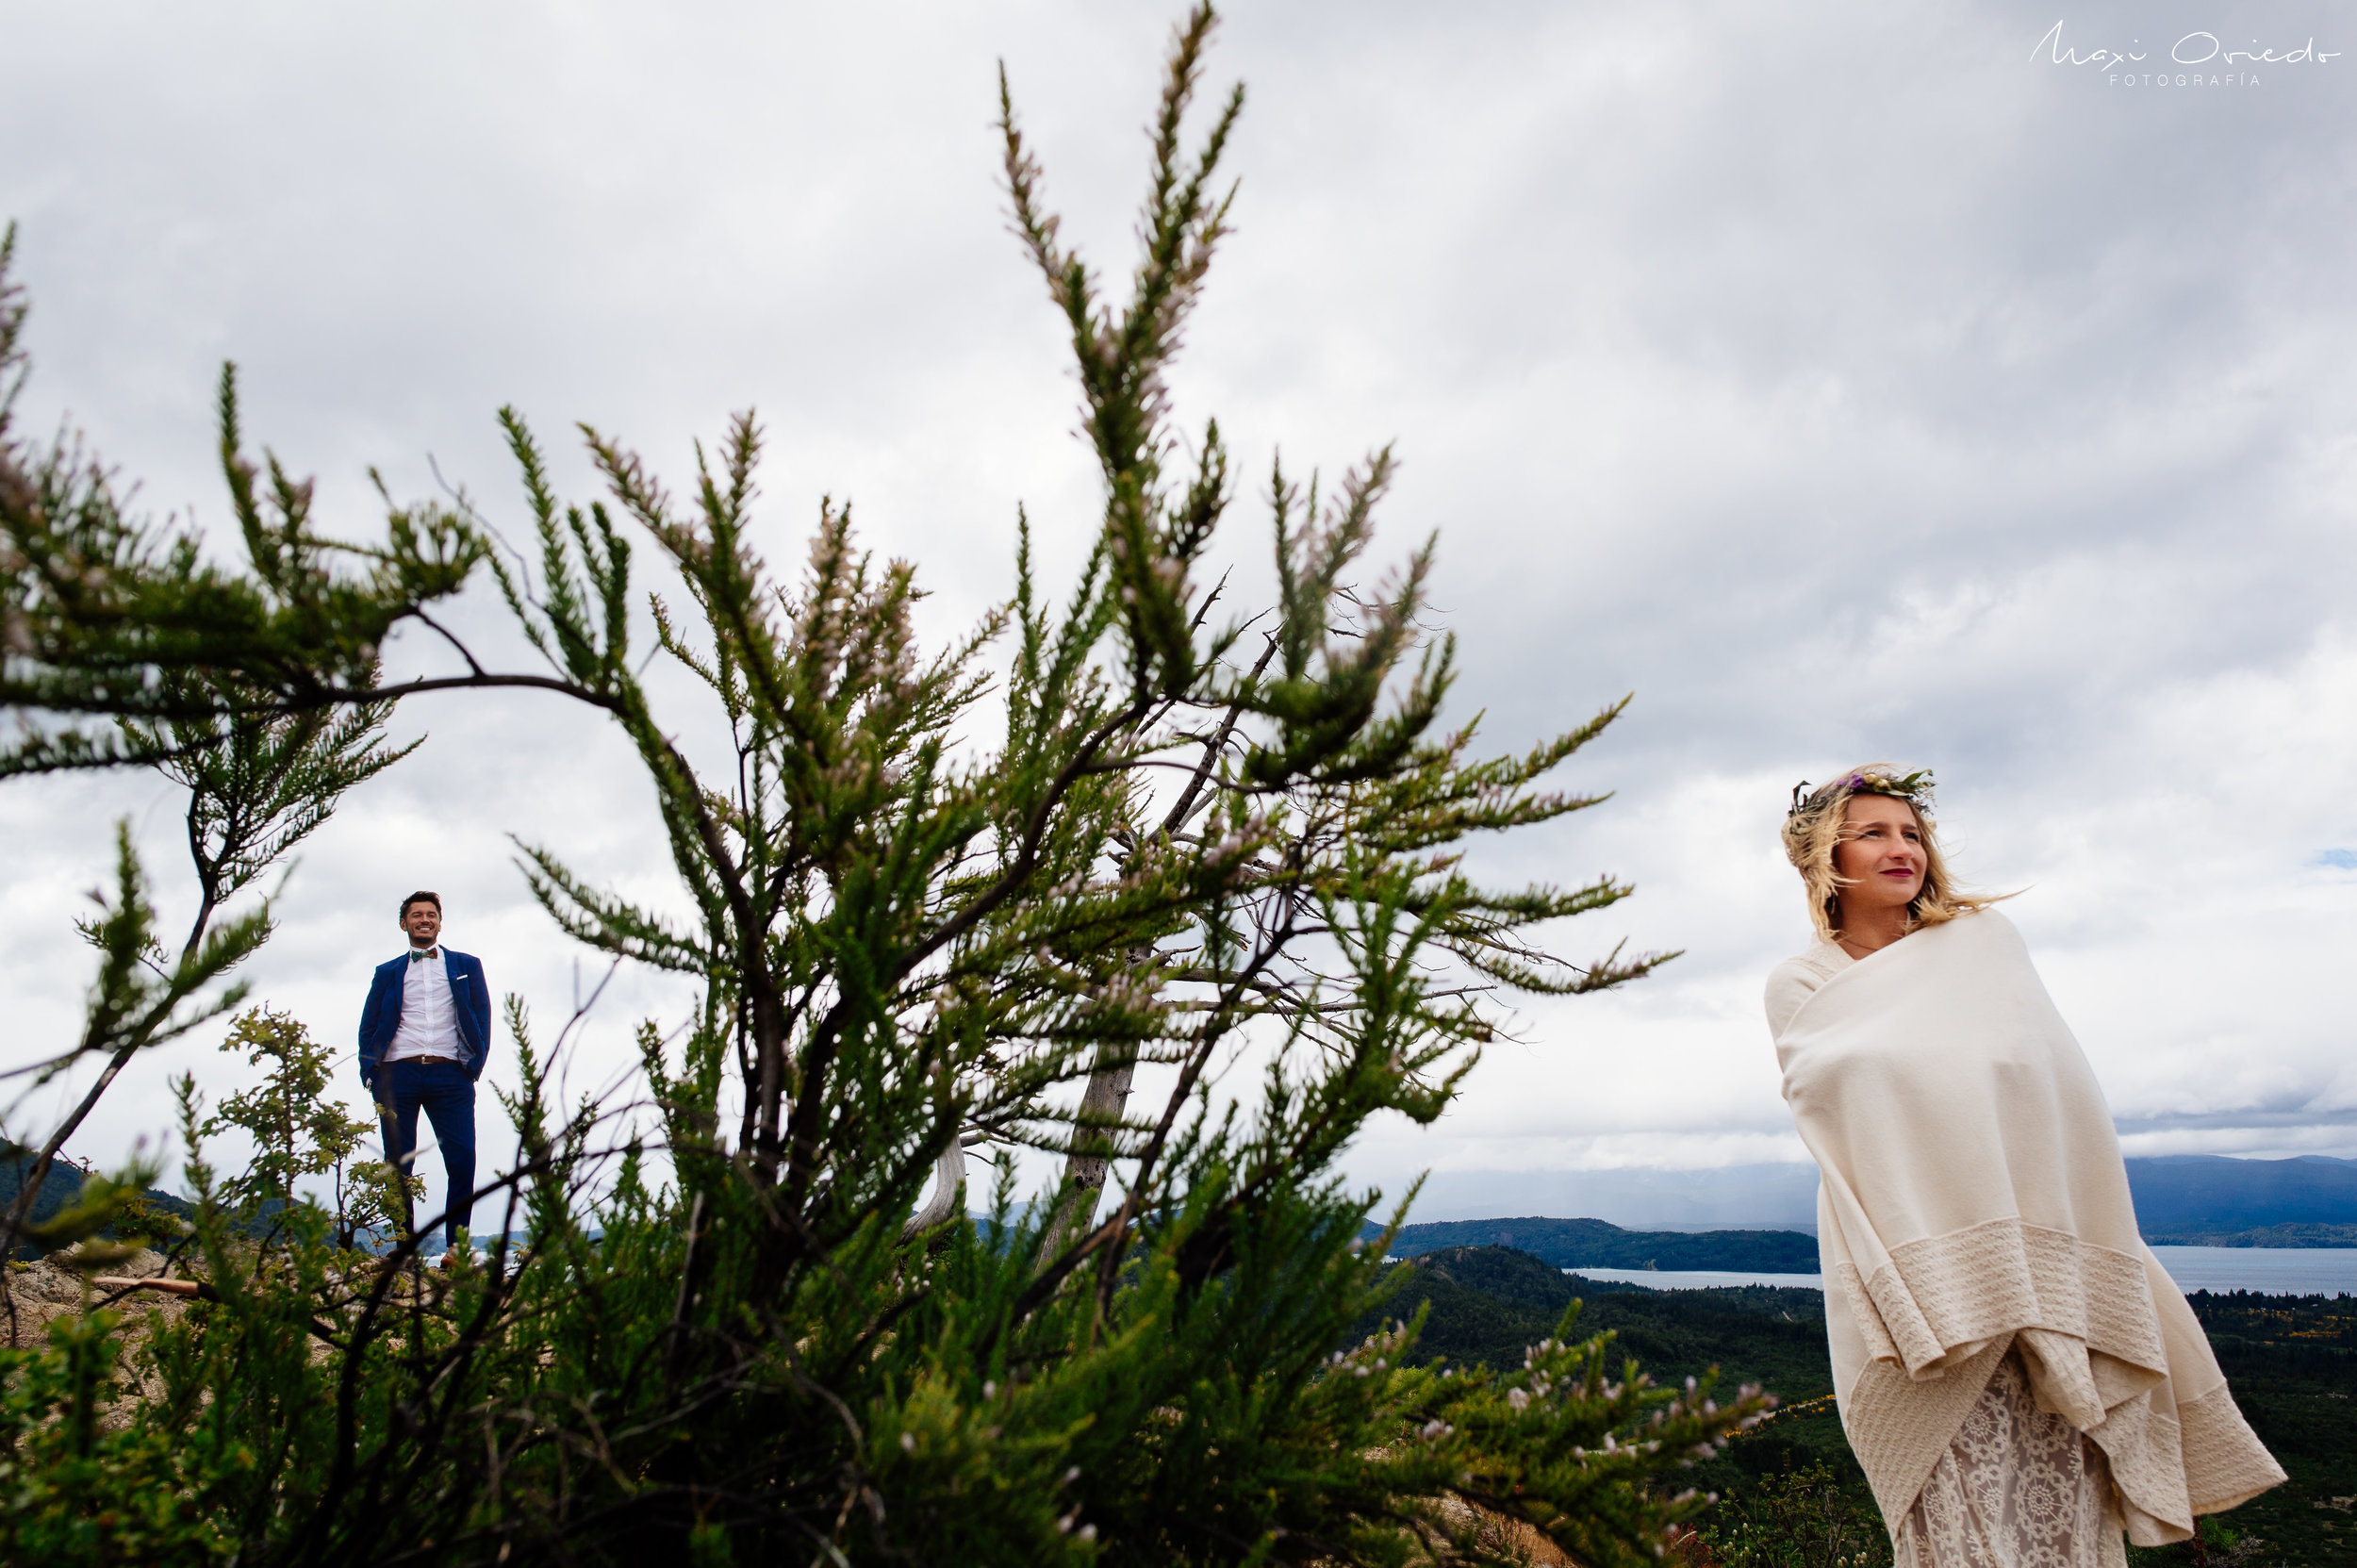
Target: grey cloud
[(1831, 376)]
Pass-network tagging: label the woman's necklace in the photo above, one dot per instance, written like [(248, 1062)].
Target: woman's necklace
[(1857, 950)]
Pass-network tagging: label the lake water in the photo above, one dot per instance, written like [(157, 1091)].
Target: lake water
[(2275, 1270), (2272, 1270)]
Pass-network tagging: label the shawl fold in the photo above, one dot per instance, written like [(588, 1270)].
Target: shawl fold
[(1974, 1201)]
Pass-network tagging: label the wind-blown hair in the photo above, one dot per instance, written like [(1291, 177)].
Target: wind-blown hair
[(1814, 827)]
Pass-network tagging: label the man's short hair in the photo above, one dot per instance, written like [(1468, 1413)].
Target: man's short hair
[(420, 896)]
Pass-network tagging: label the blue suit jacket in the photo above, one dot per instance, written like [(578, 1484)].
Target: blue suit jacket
[(471, 998)]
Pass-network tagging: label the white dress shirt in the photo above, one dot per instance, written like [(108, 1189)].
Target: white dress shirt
[(429, 1019)]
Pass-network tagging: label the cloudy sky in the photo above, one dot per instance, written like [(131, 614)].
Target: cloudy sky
[(1846, 381)]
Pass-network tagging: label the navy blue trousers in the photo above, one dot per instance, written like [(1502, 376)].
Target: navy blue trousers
[(444, 1092)]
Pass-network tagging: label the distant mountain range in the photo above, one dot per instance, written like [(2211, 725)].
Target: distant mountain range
[(2183, 1200), (58, 1188), (2209, 1200)]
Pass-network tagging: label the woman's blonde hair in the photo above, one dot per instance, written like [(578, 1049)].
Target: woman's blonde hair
[(1813, 828)]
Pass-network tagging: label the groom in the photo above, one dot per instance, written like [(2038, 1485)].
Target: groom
[(424, 1036)]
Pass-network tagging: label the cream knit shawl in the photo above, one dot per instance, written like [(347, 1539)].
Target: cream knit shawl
[(1973, 1200)]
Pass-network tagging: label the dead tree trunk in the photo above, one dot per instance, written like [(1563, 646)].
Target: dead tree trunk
[(1092, 1146)]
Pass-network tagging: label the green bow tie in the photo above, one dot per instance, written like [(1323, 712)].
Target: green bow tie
[(417, 957)]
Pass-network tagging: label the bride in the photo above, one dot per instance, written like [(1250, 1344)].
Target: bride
[(2018, 1376)]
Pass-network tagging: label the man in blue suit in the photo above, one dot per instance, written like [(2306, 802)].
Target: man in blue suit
[(423, 1039)]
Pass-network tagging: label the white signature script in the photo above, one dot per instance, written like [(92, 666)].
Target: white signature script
[(2193, 49)]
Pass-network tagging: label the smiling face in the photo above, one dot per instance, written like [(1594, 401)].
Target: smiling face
[(423, 921), (1880, 858)]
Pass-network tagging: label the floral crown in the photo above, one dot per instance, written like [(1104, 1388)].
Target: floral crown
[(1914, 789)]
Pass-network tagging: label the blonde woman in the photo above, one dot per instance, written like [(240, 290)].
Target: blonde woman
[(2019, 1378)]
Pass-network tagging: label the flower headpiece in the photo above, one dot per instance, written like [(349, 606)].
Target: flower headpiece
[(1914, 789)]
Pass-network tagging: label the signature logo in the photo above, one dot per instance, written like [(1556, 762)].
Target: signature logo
[(2221, 65)]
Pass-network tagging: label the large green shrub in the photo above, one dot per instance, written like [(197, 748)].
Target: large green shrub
[(943, 900)]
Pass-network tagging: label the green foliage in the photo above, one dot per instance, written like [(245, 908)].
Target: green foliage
[(136, 1004), (2216, 1544), (105, 615), (141, 1220), (375, 1198), (299, 1130), (2292, 1364), (1772, 1494), (1488, 1301), (1801, 1519), (938, 900), (121, 643), (74, 1491)]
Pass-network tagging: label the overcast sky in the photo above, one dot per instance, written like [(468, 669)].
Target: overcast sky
[(1848, 382)]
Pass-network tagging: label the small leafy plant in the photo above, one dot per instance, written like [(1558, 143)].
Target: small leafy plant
[(1799, 1518), (300, 1131)]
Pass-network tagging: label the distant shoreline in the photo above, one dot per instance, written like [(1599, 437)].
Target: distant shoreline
[(2292, 1272), (1596, 1244), (2290, 1237)]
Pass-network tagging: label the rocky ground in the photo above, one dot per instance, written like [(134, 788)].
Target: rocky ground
[(61, 1285)]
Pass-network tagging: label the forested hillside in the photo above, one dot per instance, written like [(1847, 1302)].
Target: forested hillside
[(154, 1214), (1595, 1244), (2292, 1361)]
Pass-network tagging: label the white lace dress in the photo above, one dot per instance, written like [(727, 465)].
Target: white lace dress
[(2020, 1486)]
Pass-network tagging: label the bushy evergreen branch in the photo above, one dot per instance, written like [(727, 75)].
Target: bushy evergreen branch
[(944, 902)]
